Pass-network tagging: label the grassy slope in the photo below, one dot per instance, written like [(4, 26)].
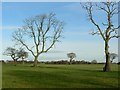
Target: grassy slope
[(57, 76)]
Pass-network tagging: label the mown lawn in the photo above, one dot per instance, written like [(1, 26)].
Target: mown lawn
[(59, 76)]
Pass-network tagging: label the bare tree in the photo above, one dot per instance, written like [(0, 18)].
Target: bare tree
[(110, 31), (13, 53), (71, 56), (43, 30), (113, 56), (22, 54)]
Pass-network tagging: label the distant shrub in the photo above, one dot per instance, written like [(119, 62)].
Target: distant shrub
[(71, 56), (94, 61)]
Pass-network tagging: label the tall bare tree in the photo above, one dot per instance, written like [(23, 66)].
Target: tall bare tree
[(43, 30), (110, 31)]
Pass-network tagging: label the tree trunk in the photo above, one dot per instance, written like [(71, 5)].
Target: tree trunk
[(23, 60), (15, 62), (70, 61), (107, 66), (35, 61)]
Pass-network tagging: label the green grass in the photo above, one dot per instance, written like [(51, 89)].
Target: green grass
[(0, 75), (59, 76)]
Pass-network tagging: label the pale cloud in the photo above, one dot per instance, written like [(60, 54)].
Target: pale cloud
[(55, 51), (78, 33), (0, 27), (9, 27)]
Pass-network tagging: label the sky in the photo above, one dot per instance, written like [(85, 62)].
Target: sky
[(76, 32)]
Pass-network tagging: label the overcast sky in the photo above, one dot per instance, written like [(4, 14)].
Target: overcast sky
[(76, 30)]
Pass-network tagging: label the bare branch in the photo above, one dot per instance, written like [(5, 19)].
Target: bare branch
[(89, 10), (114, 30), (101, 8), (95, 32), (114, 37), (17, 38), (27, 48)]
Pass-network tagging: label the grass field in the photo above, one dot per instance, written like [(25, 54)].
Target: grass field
[(59, 76), (0, 75)]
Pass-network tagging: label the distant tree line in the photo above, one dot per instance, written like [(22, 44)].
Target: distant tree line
[(55, 62), (67, 62)]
